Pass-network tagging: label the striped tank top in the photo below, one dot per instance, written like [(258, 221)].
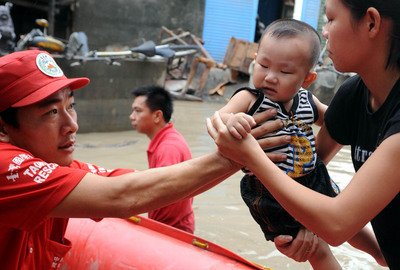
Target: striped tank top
[(301, 153)]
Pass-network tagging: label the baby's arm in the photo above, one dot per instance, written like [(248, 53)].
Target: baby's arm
[(233, 114), (240, 124)]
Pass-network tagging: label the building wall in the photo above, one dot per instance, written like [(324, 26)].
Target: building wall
[(121, 23), (130, 22), (225, 19), (321, 20), (105, 104)]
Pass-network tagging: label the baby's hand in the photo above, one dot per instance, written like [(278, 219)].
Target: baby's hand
[(240, 124)]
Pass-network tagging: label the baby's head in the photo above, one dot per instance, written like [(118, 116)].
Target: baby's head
[(294, 29), (285, 60)]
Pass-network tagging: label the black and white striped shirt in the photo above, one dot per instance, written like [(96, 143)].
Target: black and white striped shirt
[(301, 153)]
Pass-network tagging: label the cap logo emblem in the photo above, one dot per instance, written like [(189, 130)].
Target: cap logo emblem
[(48, 66)]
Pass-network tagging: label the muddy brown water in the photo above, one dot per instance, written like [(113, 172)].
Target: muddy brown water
[(220, 214)]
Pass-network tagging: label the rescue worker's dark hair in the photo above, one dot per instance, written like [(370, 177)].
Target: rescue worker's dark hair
[(157, 99), (9, 116)]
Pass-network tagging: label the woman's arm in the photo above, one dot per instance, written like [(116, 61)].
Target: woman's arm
[(321, 108), (333, 219), (326, 146)]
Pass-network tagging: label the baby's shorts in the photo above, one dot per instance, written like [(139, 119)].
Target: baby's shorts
[(269, 214)]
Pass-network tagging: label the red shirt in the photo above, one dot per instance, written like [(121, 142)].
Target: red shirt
[(30, 189), (168, 147)]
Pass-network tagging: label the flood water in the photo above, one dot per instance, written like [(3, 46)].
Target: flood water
[(221, 216)]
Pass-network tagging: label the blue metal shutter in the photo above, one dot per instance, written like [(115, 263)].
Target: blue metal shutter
[(310, 12), (224, 19)]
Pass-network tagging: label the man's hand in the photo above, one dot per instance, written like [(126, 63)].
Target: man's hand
[(240, 150), (268, 127)]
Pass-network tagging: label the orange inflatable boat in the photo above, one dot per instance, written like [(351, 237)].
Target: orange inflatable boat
[(144, 244)]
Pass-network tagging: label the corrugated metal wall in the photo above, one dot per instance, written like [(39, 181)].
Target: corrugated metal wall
[(224, 19), (310, 12)]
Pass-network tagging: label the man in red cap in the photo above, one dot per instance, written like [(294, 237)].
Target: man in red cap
[(41, 185)]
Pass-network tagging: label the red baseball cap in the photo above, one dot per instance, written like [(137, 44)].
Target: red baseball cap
[(30, 76)]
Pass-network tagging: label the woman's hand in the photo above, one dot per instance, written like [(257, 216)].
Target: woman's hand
[(307, 247), (240, 150), (299, 249)]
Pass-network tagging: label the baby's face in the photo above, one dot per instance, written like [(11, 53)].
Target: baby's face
[(281, 66)]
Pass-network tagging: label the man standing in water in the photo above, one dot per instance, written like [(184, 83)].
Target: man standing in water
[(151, 114)]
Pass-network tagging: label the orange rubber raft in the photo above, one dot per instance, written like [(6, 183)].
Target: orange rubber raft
[(144, 244)]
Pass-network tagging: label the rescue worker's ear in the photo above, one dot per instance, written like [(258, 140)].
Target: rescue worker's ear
[(3, 133), (158, 116), (310, 78)]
